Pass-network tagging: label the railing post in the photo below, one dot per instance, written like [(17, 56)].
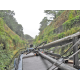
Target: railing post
[(75, 58)]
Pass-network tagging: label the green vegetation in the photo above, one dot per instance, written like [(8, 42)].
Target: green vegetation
[(5, 57), (9, 19), (66, 22), (62, 24), (69, 23), (27, 37), (9, 42), (67, 19)]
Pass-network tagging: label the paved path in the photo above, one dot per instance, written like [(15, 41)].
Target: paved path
[(35, 62), (32, 62)]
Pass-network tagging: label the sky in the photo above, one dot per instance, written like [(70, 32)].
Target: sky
[(29, 13), (30, 20)]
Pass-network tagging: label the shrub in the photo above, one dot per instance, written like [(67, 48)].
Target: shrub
[(5, 57), (69, 23), (61, 35)]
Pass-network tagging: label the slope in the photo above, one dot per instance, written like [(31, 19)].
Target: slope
[(10, 42), (65, 24)]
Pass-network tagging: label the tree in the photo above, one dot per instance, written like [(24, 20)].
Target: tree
[(59, 12), (27, 37), (19, 30), (43, 23), (51, 12), (8, 17)]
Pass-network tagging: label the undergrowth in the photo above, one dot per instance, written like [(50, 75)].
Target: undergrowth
[(69, 21), (9, 42)]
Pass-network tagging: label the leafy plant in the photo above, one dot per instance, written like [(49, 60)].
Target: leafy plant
[(61, 35), (69, 23)]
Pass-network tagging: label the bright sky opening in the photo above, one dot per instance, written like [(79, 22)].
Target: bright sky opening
[(30, 20)]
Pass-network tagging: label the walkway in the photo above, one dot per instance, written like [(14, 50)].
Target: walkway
[(35, 62)]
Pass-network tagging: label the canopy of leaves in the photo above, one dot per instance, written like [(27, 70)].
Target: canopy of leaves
[(53, 13), (43, 23), (27, 37), (8, 17)]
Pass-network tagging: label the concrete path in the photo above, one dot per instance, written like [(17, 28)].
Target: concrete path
[(34, 62)]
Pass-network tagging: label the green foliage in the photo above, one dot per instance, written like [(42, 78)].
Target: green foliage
[(69, 23), (1, 22), (27, 37), (71, 14), (69, 27), (59, 13), (16, 39), (8, 17), (51, 12), (5, 57), (45, 38), (43, 23), (9, 41), (61, 35)]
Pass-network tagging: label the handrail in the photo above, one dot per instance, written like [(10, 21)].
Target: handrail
[(57, 63), (71, 47), (60, 42), (74, 38)]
